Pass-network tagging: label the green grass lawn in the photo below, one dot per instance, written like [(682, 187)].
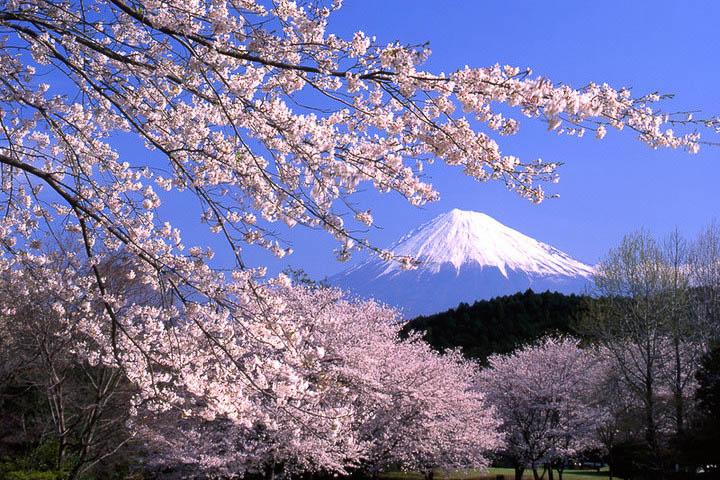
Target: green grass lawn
[(492, 473), (567, 474)]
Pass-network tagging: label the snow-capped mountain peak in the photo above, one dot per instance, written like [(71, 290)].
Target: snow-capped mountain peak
[(462, 237), (464, 256)]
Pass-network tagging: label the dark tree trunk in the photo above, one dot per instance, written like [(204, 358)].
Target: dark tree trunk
[(679, 403), (269, 471), (650, 430), (535, 473)]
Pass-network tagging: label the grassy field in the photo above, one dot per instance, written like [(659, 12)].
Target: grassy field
[(492, 474)]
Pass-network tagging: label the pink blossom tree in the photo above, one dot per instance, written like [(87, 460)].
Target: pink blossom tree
[(430, 416), (404, 404), (544, 394), (81, 418), (222, 95)]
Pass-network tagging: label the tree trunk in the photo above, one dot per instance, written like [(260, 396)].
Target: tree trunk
[(650, 434), (519, 470), (679, 404), (535, 473), (270, 471)]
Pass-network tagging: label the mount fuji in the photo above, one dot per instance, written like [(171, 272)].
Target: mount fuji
[(464, 256)]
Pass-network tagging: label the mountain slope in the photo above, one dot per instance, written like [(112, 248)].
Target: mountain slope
[(465, 256)]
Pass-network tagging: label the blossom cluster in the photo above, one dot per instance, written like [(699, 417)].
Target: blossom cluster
[(316, 383), (546, 395)]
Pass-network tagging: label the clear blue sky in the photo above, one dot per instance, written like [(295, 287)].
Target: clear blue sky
[(607, 188)]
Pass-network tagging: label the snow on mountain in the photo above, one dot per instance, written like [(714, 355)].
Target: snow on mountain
[(465, 256), (463, 237)]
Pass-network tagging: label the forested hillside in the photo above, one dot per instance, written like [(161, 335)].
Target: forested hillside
[(501, 324)]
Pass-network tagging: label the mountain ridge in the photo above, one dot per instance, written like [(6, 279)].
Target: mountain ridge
[(464, 256)]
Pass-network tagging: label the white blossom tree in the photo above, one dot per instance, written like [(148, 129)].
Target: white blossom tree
[(85, 403), (429, 415), (259, 114), (544, 394), (405, 405)]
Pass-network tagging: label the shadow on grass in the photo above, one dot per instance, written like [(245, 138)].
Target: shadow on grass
[(494, 473)]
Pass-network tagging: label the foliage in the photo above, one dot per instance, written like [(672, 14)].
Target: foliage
[(633, 459), (705, 275), (708, 377), (39, 464), (500, 325), (34, 475), (653, 316), (642, 318), (698, 445)]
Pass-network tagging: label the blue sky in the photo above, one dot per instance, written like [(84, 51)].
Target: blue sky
[(607, 188)]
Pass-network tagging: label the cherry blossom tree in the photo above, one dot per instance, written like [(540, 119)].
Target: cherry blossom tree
[(85, 404), (407, 405), (544, 394), (430, 416), (259, 114)]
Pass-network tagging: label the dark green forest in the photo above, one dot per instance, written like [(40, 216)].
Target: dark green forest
[(501, 324)]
